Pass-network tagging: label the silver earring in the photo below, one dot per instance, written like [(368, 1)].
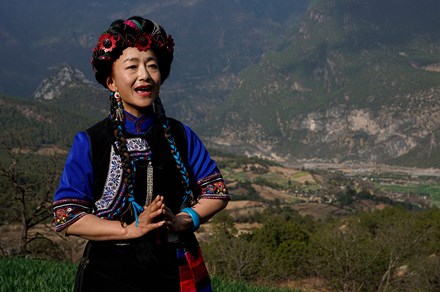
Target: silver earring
[(119, 110)]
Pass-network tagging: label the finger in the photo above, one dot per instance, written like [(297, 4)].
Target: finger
[(155, 213), (154, 206), (169, 215), (151, 208), (160, 201), (151, 226), (149, 215), (156, 200), (166, 210), (157, 224)]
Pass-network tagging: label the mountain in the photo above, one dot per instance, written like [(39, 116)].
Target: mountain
[(328, 81), (214, 40), (69, 89), (63, 74), (354, 81)]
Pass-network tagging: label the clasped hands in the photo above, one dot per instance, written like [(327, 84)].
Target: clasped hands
[(156, 215)]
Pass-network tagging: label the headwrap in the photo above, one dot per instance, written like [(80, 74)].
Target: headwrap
[(136, 32)]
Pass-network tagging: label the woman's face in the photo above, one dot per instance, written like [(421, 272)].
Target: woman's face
[(136, 76)]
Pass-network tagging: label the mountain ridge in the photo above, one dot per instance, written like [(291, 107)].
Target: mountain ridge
[(62, 75), (336, 92), (346, 83), (39, 41)]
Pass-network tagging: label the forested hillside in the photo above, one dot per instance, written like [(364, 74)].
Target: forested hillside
[(329, 81), (34, 125), (354, 81)]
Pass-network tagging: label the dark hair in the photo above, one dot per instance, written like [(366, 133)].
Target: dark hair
[(133, 32)]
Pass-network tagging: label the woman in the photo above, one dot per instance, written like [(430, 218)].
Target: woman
[(138, 184)]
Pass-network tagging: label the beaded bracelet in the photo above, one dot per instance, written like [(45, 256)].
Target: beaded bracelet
[(194, 217)]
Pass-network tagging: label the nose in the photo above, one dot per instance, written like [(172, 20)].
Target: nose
[(143, 73)]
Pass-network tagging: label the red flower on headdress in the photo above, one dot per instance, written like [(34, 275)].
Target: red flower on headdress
[(143, 43), (107, 42)]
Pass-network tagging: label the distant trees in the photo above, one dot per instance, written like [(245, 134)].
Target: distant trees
[(283, 244), (27, 184), (231, 256), (274, 251), (383, 250)]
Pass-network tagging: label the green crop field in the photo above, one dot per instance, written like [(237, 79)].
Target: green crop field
[(413, 188), (21, 274)]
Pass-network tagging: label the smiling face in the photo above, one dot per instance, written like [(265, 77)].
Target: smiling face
[(136, 76)]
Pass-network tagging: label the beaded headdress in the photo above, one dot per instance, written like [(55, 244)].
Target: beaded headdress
[(136, 32)]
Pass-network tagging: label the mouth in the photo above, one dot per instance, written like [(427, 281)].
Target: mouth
[(144, 89)]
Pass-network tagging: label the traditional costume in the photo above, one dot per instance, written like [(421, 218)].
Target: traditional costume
[(92, 183)]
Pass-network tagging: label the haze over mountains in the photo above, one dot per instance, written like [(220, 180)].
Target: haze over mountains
[(325, 80), (210, 36)]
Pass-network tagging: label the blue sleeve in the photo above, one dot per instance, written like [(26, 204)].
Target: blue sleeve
[(74, 198), (205, 177), (77, 178), (199, 160)]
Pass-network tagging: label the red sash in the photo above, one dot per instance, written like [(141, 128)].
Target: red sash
[(194, 276)]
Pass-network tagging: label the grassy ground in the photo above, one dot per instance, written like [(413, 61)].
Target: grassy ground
[(21, 274)]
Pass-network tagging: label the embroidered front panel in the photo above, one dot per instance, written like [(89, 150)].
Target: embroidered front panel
[(137, 145), (114, 190), (212, 187), (112, 183)]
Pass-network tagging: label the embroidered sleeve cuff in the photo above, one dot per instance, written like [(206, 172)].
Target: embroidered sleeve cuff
[(68, 211), (212, 187)]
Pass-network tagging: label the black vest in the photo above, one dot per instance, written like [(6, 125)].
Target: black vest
[(166, 178)]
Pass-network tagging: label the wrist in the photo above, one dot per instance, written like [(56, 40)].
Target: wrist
[(126, 231), (194, 217)]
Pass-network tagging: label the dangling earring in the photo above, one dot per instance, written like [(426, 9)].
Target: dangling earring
[(119, 111)]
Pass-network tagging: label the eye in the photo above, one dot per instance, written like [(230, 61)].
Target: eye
[(153, 66)]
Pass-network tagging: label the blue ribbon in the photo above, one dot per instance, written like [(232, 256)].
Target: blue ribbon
[(137, 209)]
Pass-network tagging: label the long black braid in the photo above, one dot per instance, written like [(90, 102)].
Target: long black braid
[(160, 115), (128, 163)]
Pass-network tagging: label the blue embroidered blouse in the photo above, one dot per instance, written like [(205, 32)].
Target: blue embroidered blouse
[(74, 198)]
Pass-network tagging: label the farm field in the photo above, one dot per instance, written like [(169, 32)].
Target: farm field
[(432, 189)]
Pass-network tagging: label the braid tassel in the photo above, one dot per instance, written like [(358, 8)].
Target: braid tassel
[(137, 209)]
